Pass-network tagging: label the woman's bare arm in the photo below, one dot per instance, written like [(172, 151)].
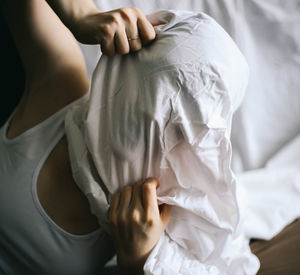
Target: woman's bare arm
[(72, 11), (55, 73), (117, 31), (43, 42)]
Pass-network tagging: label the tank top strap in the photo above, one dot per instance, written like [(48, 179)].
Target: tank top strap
[(45, 134)]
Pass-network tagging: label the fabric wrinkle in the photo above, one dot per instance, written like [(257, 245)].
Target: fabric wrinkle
[(171, 119)]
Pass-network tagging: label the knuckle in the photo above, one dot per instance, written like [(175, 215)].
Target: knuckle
[(150, 222), (125, 13), (135, 216), (114, 18), (107, 31), (137, 10)]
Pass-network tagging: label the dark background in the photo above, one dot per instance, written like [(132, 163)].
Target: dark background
[(12, 77)]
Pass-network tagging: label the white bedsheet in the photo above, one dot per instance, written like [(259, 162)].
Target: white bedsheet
[(267, 32), (270, 196)]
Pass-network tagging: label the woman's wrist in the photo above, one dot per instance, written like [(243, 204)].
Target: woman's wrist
[(71, 12), (134, 267), (79, 24)]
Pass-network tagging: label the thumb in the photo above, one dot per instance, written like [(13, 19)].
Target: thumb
[(155, 19), (165, 214)]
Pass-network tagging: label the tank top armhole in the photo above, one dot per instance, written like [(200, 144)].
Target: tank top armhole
[(38, 205), (42, 124)]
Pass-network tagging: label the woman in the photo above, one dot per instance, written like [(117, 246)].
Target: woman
[(46, 226)]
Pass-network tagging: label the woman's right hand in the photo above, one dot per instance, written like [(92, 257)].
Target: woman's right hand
[(136, 223), (117, 31)]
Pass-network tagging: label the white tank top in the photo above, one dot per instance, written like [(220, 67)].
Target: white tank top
[(30, 242)]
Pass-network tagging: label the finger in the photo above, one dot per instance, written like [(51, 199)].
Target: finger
[(146, 30), (133, 37), (108, 45), (154, 20), (123, 212), (113, 212), (150, 197), (165, 214), (125, 199), (158, 24), (114, 202), (137, 196), (121, 42), (135, 43)]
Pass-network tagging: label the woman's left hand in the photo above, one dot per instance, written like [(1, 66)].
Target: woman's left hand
[(118, 31), (136, 223)]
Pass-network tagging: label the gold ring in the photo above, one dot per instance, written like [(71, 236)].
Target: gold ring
[(133, 38)]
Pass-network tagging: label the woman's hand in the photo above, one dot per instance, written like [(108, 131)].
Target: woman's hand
[(118, 31), (136, 223)]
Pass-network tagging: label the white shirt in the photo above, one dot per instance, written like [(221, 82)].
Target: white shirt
[(166, 112)]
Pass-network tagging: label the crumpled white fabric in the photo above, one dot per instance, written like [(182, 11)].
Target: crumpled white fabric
[(266, 32), (166, 112)]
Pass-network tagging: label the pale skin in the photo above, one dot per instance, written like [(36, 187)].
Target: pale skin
[(56, 76)]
